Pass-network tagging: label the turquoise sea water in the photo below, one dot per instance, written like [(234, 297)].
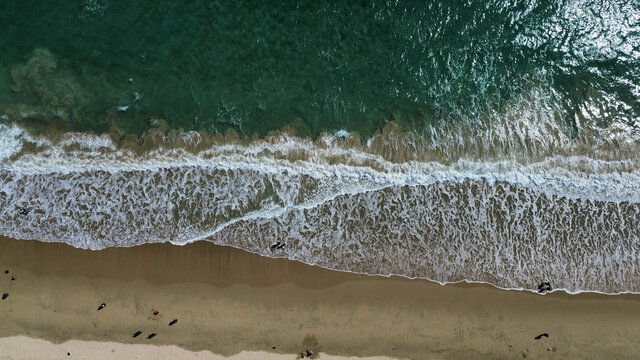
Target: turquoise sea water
[(485, 141), (255, 67)]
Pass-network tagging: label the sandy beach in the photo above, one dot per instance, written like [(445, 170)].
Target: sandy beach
[(232, 303), (22, 347)]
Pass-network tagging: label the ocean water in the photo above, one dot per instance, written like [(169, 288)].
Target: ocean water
[(493, 141)]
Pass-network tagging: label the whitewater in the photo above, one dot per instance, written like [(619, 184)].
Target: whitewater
[(511, 206)]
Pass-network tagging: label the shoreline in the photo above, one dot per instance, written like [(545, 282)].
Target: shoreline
[(228, 301), (465, 282)]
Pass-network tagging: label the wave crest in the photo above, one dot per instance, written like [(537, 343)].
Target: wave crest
[(337, 202)]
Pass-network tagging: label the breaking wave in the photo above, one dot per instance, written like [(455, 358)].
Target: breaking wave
[(511, 204)]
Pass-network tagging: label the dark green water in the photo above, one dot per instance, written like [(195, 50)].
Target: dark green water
[(255, 67)]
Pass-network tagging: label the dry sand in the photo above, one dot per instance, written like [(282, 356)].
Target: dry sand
[(22, 347), (228, 301)]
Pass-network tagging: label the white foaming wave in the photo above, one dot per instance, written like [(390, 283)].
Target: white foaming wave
[(87, 142), (498, 234), (561, 181), (86, 191), (10, 141), (570, 176)]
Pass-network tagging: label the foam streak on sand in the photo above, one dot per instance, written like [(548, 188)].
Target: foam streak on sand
[(572, 219)]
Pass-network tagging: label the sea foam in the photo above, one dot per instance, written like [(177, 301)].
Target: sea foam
[(572, 220)]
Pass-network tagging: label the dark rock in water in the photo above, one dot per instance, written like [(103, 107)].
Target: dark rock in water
[(151, 335), (102, 306), (4, 296), (173, 322), (273, 347), (544, 287), (541, 335), (6, 271), (137, 333)]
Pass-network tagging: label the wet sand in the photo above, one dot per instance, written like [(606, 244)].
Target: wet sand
[(227, 301)]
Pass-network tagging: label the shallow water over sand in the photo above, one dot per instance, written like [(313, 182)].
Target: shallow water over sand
[(571, 220)]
